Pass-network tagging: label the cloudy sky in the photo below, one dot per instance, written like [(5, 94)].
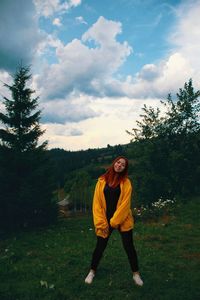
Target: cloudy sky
[(96, 63)]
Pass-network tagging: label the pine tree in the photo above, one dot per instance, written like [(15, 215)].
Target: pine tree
[(25, 178)]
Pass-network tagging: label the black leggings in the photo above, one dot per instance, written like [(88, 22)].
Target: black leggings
[(127, 240)]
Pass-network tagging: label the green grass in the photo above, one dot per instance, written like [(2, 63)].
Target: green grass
[(52, 263)]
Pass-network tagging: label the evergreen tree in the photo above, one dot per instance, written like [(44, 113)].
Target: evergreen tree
[(25, 177)]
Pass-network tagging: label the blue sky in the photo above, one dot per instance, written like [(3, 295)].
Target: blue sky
[(96, 63)]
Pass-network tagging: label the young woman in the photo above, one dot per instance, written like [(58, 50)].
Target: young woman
[(112, 210)]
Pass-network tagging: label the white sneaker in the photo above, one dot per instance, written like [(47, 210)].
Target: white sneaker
[(137, 279), (90, 277)]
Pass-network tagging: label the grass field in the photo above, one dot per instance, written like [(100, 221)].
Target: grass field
[(52, 263)]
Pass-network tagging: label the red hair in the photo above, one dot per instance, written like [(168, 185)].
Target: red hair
[(113, 178)]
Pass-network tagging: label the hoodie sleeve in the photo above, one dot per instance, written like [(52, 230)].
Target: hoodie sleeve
[(124, 207), (99, 217)]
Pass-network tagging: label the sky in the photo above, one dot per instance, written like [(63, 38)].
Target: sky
[(95, 63)]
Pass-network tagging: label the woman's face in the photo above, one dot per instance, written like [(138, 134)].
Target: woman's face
[(119, 165)]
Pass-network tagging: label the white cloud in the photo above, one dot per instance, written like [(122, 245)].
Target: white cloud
[(62, 136), (103, 32), (80, 20), (158, 80), (75, 132), (67, 110), (57, 22), (63, 129), (186, 35), (97, 66), (48, 8), (51, 41), (75, 2), (149, 72)]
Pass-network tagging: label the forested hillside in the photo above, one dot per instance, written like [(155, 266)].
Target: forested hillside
[(65, 162)]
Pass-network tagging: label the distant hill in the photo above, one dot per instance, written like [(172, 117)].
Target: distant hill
[(64, 161)]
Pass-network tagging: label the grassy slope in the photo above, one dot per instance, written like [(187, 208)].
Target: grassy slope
[(168, 255)]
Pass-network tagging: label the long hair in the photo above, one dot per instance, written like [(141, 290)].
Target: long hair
[(113, 178)]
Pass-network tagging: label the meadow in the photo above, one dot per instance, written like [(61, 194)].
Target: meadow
[(51, 263)]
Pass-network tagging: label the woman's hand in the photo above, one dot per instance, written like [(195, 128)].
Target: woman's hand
[(105, 231), (113, 225)]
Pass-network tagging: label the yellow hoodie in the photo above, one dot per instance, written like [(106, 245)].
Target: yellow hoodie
[(122, 217)]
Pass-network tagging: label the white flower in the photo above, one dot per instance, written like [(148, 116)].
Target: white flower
[(51, 286)]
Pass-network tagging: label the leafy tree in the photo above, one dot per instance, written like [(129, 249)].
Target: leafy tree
[(148, 127), (182, 116), (25, 178), (166, 147), (79, 186)]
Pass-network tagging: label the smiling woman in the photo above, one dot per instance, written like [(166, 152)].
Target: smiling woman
[(112, 210)]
